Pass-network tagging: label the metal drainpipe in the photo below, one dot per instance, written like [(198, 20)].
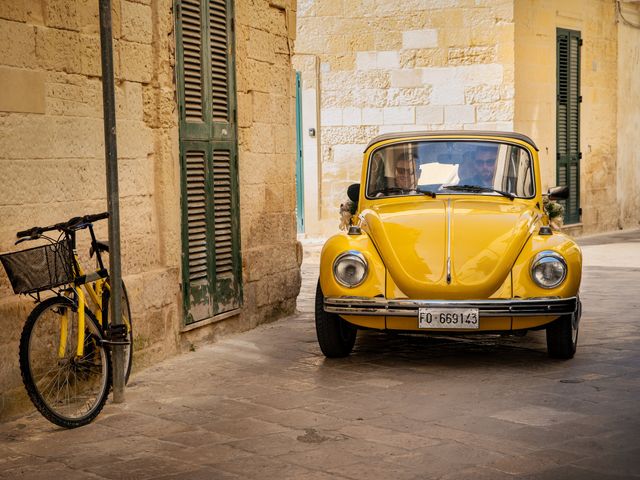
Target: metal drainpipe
[(108, 99)]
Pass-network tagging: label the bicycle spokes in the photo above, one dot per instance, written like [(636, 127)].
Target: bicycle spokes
[(67, 387)]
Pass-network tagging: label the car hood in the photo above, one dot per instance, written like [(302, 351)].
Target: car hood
[(481, 238)]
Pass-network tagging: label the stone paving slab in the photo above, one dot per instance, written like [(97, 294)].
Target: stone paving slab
[(266, 404)]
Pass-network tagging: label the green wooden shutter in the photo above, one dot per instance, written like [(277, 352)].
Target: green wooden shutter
[(220, 52), (228, 268), (192, 91), (568, 120), (208, 154)]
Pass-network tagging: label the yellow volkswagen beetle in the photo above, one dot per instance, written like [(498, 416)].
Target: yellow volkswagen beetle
[(450, 235)]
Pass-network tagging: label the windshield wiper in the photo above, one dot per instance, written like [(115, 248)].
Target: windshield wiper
[(428, 193), (479, 189), (392, 190)]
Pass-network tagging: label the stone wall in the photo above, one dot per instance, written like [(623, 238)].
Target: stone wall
[(52, 151), (536, 23), (628, 171), (393, 66), (267, 141), (52, 158)]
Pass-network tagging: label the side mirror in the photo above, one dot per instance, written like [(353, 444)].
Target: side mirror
[(558, 193), (353, 192)]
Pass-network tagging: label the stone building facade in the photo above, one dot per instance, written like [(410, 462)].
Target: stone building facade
[(374, 66), (52, 163)]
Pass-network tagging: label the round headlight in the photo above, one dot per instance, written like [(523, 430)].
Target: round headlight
[(350, 269), (548, 269)]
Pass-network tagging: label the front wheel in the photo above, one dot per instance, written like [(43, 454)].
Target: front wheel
[(69, 390), (335, 335), (562, 337)]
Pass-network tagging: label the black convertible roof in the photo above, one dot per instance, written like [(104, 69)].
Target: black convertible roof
[(453, 134)]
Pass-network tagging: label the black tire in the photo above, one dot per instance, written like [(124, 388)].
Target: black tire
[(128, 349), (335, 335), (126, 313), (562, 338), (66, 390), (125, 308)]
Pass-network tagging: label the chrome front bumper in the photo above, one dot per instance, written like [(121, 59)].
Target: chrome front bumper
[(486, 308)]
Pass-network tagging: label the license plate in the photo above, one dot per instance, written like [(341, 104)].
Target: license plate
[(448, 318)]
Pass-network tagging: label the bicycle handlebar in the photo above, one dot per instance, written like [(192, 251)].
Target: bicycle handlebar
[(72, 224)]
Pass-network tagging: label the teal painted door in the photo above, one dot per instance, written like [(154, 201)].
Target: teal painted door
[(299, 164)]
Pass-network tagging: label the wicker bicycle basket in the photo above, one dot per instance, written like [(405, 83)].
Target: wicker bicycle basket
[(39, 268)]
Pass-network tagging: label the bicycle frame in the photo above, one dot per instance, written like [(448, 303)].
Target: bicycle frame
[(94, 283)]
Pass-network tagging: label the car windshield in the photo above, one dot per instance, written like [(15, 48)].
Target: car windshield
[(450, 167)]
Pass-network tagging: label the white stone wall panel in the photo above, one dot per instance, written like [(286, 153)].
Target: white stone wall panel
[(366, 60), (372, 116), (447, 95), (351, 116), (406, 78), (427, 38), (429, 114), (398, 115), (456, 114), (388, 60), (331, 116)]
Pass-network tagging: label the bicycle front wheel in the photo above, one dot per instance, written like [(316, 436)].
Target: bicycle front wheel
[(69, 390)]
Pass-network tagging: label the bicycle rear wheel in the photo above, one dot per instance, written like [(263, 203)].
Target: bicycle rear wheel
[(68, 390), (125, 309)]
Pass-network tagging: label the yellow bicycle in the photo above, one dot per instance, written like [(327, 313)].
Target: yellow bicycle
[(65, 354)]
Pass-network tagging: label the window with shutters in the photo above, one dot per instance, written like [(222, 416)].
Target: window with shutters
[(208, 155), (568, 120)]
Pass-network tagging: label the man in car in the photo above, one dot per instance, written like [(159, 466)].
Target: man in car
[(405, 172), (478, 167)]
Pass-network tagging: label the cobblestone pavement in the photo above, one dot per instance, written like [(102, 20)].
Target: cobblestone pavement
[(266, 404)]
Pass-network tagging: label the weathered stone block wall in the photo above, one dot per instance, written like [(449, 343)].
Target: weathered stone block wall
[(52, 152), (536, 23), (52, 158), (392, 66), (628, 179)]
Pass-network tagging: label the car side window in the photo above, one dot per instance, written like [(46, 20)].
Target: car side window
[(377, 178), (518, 178)]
